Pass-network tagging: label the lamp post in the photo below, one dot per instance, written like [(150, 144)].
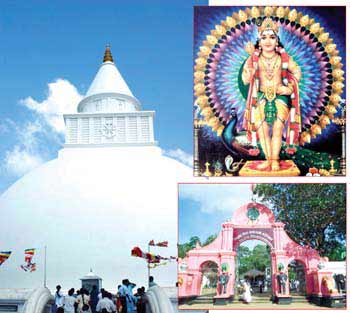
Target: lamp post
[(198, 123), (341, 121)]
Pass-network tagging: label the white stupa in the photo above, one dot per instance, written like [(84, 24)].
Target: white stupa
[(110, 189)]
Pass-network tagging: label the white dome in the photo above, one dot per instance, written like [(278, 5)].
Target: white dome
[(90, 207), (109, 80)]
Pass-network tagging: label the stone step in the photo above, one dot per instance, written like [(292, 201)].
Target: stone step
[(256, 299)]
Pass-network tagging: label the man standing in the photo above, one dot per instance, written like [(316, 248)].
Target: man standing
[(105, 304), (151, 282), (58, 298)]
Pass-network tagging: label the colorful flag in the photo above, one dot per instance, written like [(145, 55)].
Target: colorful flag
[(28, 257), (157, 265), (151, 258), (136, 251), (4, 255), (162, 244), (159, 244)]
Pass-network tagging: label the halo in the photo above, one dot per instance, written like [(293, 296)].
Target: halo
[(320, 94)]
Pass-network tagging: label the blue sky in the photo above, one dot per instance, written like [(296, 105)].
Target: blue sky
[(204, 207), (44, 41)]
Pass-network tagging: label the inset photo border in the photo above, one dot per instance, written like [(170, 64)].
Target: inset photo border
[(263, 246)]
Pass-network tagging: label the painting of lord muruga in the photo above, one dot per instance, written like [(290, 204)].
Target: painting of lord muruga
[(269, 96)]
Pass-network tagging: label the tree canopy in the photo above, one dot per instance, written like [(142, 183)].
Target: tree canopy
[(258, 258), (314, 214), (191, 244)]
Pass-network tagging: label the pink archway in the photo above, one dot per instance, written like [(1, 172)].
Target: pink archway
[(255, 221)]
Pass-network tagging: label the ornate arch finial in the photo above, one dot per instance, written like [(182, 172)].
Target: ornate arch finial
[(108, 55)]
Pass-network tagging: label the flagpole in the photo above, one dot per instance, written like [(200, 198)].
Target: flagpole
[(148, 265), (45, 268)]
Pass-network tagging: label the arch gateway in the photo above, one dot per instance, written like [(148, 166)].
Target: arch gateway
[(254, 221)]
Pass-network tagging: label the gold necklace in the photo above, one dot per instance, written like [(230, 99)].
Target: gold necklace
[(269, 69), (269, 66)]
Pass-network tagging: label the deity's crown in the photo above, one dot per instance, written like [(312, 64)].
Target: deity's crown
[(268, 24)]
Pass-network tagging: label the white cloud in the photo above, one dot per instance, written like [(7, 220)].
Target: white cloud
[(34, 137), (20, 161), (180, 155), (217, 197), (62, 98)]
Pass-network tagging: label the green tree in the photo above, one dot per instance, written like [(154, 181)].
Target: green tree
[(191, 244), (258, 258), (314, 214), (209, 240)]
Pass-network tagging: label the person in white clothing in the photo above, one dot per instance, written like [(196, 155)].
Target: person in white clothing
[(106, 303), (69, 301), (246, 296), (58, 297)]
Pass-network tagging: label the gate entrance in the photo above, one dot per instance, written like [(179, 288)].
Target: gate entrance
[(294, 269), (253, 265)]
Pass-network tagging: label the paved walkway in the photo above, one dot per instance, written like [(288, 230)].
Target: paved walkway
[(257, 303)]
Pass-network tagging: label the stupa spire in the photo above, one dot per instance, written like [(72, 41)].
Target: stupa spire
[(108, 55)]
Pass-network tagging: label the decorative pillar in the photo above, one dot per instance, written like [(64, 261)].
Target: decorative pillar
[(227, 259), (281, 268), (227, 236)]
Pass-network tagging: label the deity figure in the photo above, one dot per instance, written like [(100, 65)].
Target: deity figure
[(223, 281), (282, 283), (273, 96)]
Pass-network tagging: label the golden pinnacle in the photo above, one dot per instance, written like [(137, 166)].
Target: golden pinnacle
[(108, 55), (199, 89)]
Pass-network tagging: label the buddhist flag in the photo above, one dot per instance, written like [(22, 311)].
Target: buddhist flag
[(28, 257), (4, 255), (159, 244), (162, 244), (136, 251), (151, 258)]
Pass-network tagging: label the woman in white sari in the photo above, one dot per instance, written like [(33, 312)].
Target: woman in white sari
[(246, 296)]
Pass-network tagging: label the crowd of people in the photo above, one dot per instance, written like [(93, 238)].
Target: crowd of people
[(102, 301)]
